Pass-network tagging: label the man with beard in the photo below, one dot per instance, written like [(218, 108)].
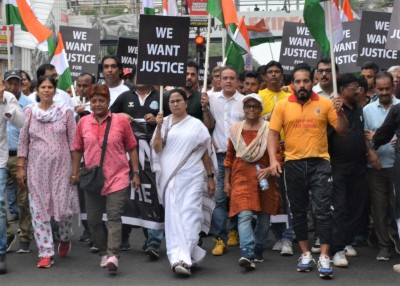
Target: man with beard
[(252, 82), (349, 168), (191, 88), (304, 117), (324, 75), (380, 165), (368, 71)]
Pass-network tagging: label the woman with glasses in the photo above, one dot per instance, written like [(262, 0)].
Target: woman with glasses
[(181, 147), (247, 148), (44, 165)]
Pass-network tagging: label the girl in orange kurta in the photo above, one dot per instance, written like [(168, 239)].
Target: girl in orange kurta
[(246, 148)]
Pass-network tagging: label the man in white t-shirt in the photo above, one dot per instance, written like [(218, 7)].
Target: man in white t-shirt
[(112, 71)]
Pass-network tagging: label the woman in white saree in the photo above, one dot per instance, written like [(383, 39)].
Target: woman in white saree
[(182, 144)]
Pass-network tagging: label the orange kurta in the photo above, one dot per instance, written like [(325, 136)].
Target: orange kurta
[(246, 193)]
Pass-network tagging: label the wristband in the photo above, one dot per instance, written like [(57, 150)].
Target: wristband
[(210, 176), (340, 112)]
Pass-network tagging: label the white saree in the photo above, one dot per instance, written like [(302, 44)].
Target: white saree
[(181, 182)]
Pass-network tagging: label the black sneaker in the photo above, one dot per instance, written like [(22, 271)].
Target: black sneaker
[(247, 263), (10, 242), (23, 247), (85, 237), (152, 252), (125, 246), (94, 249), (258, 254), (3, 264)]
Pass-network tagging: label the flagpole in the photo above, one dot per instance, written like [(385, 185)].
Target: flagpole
[(206, 62), (161, 97), (74, 94), (8, 32), (332, 51), (270, 49)]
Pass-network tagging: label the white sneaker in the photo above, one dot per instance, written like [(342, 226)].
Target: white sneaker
[(278, 245), (103, 262), (339, 259), (112, 263), (316, 247), (396, 268), (287, 249), (350, 251), (304, 264), (324, 267)]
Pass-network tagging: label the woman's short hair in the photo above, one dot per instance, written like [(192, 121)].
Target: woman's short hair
[(180, 91), (99, 89), (50, 78)]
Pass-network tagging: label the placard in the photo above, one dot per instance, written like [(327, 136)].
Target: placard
[(297, 46), (372, 41), (393, 41), (127, 50), (82, 49), (163, 50), (346, 52)]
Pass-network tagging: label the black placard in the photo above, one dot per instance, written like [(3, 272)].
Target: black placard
[(163, 50), (297, 46), (393, 40), (127, 51), (346, 52), (82, 48), (372, 41)]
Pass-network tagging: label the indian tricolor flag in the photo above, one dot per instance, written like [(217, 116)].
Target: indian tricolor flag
[(60, 62), (148, 7), (20, 12), (316, 18), (225, 11), (170, 8), (346, 14), (238, 52)]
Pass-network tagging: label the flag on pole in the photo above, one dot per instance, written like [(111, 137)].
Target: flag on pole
[(259, 34), (315, 16), (60, 62), (148, 7), (225, 11), (20, 12), (170, 8), (238, 53), (346, 14)]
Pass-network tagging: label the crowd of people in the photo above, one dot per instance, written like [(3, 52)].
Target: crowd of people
[(247, 145)]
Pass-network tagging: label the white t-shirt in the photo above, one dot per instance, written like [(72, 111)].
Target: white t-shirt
[(116, 91)]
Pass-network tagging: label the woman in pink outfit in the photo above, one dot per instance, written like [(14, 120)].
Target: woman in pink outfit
[(45, 165)]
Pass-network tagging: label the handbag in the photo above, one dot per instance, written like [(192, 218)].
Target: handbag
[(92, 180)]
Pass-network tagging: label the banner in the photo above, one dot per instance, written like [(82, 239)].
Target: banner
[(346, 52), (372, 41), (127, 50), (3, 39), (393, 41), (298, 46), (82, 47), (163, 50)]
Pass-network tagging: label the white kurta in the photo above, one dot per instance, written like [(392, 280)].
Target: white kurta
[(180, 181)]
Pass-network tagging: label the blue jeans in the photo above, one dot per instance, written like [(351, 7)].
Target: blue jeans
[(249, 239), (220, 213), (11, 194), (154, 237), (3, 231)]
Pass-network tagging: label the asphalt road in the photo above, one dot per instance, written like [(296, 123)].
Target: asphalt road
[(81, 267)]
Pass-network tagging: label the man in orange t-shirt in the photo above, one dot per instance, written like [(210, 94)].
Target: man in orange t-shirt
[(304, 117)]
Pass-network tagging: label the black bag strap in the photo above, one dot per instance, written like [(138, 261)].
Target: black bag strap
[(103, 148)]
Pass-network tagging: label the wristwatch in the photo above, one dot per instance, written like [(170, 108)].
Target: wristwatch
[(211, 176), (136, 173)]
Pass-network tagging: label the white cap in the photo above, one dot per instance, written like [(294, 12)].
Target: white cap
[(253, 96)]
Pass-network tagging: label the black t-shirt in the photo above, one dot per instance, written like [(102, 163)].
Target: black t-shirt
[(350, 149), (194, 107)]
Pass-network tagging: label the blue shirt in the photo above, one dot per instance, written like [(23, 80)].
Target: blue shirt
[(13, 132), (374, 116)]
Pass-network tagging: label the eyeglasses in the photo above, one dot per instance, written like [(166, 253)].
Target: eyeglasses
[(255, 107), (321, 71), (177, 101)]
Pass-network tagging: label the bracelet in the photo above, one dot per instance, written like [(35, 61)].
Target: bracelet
[(205, 110), (21, 166), (210, 176), (135, 173), (74, 177)]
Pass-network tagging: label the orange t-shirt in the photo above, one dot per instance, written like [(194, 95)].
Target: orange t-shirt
[(304, 126)]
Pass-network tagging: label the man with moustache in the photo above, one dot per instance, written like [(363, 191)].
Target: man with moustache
[(191, 88), (304, 117), (368, 71), (349, 168), (324, 75), (252, 82), (83, 83), (380, 166)]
